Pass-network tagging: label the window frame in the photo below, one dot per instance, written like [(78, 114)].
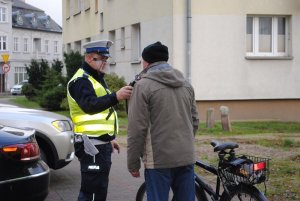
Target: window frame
[(26, 45), (3, 43), (3, 14), (16, 44), (55, 47), (46, 46), (274, 36)]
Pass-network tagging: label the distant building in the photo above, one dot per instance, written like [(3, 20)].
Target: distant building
[(241, 54), (26, 33)]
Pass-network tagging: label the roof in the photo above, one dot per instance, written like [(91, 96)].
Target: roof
[(26, 16)]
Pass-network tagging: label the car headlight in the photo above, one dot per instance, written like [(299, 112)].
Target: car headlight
[(62, 125)]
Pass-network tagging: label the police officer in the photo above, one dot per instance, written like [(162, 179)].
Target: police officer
[(95, 120)]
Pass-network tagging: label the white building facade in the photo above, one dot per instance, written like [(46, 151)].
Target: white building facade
[(241, 54), (5, 38), (33, 35)]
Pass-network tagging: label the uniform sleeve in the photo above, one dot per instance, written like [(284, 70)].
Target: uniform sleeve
[(83, 93), (138, 123)]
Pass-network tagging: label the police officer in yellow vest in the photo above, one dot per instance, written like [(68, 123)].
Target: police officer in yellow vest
[(95, 120)]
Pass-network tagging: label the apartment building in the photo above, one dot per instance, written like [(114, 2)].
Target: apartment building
[(5, 38), (241, 54), (26, 33)]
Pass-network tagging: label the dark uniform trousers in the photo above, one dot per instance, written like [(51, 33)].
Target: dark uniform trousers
[(94, 172)]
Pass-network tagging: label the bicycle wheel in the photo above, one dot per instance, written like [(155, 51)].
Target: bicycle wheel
[(243, 193), (199, 194)]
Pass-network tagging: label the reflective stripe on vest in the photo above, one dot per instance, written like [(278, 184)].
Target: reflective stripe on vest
[(98, 124)]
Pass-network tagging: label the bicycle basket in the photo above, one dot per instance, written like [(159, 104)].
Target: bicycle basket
[(245, 169)]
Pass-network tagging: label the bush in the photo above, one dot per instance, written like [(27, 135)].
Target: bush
[(64, 104), (114, 83), (52, 98), (29, 91)]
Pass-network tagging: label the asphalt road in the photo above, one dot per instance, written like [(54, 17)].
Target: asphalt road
[(65, 183)]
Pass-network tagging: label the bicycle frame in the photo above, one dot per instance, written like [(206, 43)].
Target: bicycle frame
[(235, 184), (214, 194)]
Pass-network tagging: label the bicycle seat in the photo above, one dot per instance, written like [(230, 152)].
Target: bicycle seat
[(223, 146)]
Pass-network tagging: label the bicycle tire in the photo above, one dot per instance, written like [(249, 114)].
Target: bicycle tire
[(141, 192), (243, 193), (199, 193)]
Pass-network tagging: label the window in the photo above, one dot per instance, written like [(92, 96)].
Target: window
[(20, 74), (26, 45), (122, 43), (101, 22), (96, 6), (55, 43), (47, 46), (78, 6), (3, 14), (16, 44), (135, 43), (86, 4), (267, 36), (112, 50), (3, 43), (37, 45)]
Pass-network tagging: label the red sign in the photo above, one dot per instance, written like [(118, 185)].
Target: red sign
[(5, 68)]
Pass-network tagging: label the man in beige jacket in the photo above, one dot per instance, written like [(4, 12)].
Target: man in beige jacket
[(162, 121)]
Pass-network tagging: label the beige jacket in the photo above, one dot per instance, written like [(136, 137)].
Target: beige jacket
[(162, 120)]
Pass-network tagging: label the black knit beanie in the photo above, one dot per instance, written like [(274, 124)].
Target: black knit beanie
[(155, 52)]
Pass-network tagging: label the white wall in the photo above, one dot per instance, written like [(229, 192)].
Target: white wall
[(220, 70), (21, 58)]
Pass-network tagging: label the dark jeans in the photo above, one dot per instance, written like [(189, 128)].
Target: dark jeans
[(94, 172), (179, 179)]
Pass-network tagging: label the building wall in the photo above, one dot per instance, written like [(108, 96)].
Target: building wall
[(21, 58), (80, 24), (253, 110), (5, 30), (220, 68), (221, 72)]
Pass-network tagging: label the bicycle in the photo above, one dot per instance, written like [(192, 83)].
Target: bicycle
[(238, 176)]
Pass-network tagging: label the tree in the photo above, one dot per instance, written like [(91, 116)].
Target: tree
[(73, 61), (36, 72), (57, 65)]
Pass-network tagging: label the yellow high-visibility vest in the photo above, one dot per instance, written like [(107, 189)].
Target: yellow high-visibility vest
[(105, 122)]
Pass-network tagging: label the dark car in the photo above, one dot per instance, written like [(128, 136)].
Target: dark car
[(23, 175)]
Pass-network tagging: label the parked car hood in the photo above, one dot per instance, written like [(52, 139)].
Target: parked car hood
[(33, 113)]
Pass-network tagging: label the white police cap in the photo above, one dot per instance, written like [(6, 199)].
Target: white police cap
[(99, 47)]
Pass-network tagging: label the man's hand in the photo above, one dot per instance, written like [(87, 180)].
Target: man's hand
[(135, 173), (115, 145), (124, 93)]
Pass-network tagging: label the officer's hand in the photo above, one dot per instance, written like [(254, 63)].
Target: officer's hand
[(115, 145), (135, 173), (124, 93)]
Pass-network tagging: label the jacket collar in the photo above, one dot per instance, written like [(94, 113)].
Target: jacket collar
[(89, 70)]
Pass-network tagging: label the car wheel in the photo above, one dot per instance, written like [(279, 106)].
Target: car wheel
[(43, 156)]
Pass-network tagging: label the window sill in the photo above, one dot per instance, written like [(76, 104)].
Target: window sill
[(135, 62), (78, 13), (269, 57)]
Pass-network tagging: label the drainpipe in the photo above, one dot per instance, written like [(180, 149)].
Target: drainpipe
[(188, 40)]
